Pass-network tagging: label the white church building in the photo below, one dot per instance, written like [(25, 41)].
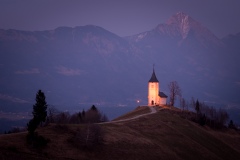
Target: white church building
[(155, 97)]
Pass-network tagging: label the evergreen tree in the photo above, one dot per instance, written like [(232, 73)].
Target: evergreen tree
[(40, 108), (83, 113), (39, 112), (231, 125), (93, 108), (197, 108)]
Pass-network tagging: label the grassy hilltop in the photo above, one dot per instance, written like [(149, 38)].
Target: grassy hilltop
[(162, 135)]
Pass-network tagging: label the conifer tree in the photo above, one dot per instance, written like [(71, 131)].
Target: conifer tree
[(231, 125), (93, 108), (197, 108), (39, 112), (40, 108), (83, 113)]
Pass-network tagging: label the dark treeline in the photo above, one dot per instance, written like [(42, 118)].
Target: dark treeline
[(16, 130), (92, 115), (87, 136), (207, 115)]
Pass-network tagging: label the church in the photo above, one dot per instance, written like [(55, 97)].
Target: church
[(155, 97)]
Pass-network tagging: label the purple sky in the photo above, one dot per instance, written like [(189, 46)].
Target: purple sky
[(122, 17)]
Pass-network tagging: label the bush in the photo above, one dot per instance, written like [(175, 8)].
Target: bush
[(231, 125), (88, 137), (16, 130), (92, 115), (202, 119), (61, 128), (37, 141), (32, 126)]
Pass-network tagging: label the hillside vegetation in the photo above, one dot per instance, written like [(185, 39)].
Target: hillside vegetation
[(162, 135)]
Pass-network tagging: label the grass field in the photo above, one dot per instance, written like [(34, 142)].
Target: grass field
[(164, 135)]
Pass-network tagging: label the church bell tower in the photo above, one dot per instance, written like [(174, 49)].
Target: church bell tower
[(153, 90)]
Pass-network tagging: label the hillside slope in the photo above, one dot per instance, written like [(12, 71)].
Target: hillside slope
[(163, 135)]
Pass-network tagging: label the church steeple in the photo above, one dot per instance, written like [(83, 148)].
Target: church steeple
[(153, 78), (155, 97)]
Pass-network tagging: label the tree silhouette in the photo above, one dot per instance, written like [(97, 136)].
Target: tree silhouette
[(183, 103), (40, 107), (83, 113), (92, 115), (197, 108), (231, 125), (93, 108), (32, 126), (39, 112), (174, 92)]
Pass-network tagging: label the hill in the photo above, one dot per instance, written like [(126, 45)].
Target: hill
[(161, 135)]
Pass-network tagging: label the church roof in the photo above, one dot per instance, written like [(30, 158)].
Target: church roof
[(162, 95), (153, 78)]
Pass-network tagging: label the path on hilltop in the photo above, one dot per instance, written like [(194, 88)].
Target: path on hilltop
[(152, 111)]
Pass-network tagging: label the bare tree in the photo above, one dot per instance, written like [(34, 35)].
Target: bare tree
[(63, 118), (222, 117), (104, 118), (92, 115), (52, 113), (214, 118), (192, 103), (175, 91), (183, 103), (88, 137), (75, 118)]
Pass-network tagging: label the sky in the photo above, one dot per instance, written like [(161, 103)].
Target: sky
[(122, 17)]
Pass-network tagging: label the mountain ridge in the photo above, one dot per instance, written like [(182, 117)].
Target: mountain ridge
[(181, 27)]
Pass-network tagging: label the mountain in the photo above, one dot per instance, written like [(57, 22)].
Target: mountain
[(55, 56), (179, 30), (163, 135), (85, 65)]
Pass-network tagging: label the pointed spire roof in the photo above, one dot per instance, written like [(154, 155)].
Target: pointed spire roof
[(153, 78)]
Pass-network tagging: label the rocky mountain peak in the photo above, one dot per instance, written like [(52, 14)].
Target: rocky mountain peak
[(183, 22), (179, 18)]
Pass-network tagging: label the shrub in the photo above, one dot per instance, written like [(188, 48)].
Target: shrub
[(88, 137), (231, 125), (37, 141)]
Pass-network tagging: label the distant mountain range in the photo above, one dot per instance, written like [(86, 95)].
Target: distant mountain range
[(89, 65)]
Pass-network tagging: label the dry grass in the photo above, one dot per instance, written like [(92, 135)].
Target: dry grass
[(138, 111), (164, 135)]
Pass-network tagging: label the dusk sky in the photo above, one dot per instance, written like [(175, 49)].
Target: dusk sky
[(122, 17)]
